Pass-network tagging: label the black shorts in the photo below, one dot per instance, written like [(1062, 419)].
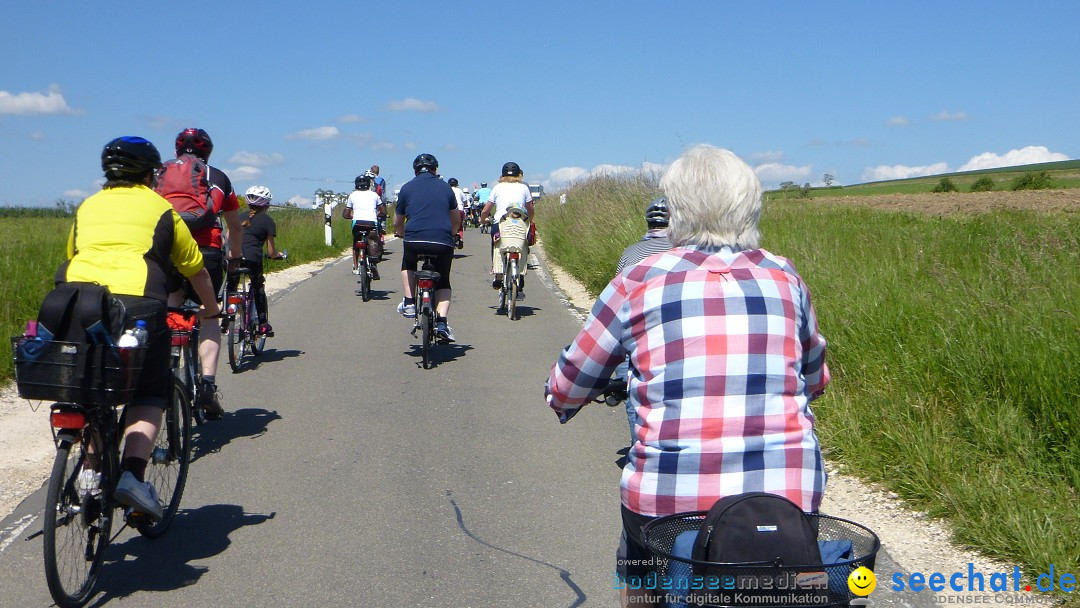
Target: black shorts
[(445, 256), (214, 261), (156, 376), (632, 558)]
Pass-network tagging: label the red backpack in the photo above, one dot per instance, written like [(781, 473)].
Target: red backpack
[(185, 182)]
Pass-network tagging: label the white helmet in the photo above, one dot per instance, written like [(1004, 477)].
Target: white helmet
[(465, 190), (258, 196)]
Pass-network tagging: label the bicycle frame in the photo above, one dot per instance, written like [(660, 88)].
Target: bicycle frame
[(423, 292)]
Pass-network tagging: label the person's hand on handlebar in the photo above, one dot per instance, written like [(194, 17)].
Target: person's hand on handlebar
[(210, 310)]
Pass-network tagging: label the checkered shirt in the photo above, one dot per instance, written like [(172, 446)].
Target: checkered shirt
[(725, 357)]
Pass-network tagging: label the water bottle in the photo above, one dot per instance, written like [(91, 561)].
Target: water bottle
[(128, 340), (140, 332)]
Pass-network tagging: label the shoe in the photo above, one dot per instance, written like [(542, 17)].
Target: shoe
[(496, 283), (266, 329), (407, 311), (140, 496), (520, 295), (88, 482), (374, 273), (356, 271), (209, 402), (460, 244), (444, 333)]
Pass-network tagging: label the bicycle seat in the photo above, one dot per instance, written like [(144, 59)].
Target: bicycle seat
[(429, 275), (240, 270)]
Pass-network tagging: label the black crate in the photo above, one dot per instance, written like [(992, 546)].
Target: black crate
[(56, 371)]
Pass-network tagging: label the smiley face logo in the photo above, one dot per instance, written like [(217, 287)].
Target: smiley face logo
[(862, 581)]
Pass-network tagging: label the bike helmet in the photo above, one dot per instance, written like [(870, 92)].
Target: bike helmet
[(194, 141), (258, 196), (465, 190), (363, 182), (425, 162), (129, 157), (452, 181), (483, 184), (511, 169), (656, 214)]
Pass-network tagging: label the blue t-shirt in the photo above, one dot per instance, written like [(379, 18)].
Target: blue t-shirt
[(482, 195), (426, 202)]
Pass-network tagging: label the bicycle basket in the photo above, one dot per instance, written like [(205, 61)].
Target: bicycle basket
[(513, 232), (845, 546), (86, 374)]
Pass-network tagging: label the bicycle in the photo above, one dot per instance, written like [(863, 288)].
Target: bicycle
[(87, 431), (512, 249), (423, 290), (244, 336), (364, 265)]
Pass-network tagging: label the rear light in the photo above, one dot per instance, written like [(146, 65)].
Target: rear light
[(235, 298), (68, 420), (361, 244), (231, 308), (425, 283), (180, 339), (515, 255)]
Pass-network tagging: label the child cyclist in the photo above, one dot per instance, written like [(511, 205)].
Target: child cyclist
[(365, 208), (259, 231)]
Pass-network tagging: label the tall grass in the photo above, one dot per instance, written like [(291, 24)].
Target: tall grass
[(33, 241), (953, 344)]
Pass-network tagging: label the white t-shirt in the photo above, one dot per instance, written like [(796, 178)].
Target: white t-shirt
[(462, 198), (364, 204), (506, 194)]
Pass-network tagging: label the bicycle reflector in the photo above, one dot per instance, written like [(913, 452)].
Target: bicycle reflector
[(66, 419), (235, 298), (515, 255), (425, 283), (361, 244)]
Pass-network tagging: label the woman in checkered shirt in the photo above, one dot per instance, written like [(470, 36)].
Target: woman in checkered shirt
[(725, 357)]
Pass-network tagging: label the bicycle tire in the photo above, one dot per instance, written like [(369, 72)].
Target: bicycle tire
[(68, 541), (256, 341), (511, 281), (365, 279), (168, 467), (426, 329)]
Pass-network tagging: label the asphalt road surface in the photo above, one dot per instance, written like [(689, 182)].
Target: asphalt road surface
[(344, 474)]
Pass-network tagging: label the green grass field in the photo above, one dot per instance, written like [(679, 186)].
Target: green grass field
[(32, 244), (952, 344)]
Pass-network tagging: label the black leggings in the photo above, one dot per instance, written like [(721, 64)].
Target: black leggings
[(258, 286)]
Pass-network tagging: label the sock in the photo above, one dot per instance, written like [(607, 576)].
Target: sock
[(137, 467), (439, 319), (210, 380), (410, 301)]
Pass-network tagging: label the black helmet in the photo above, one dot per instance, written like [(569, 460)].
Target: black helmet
[(656, 214), (194, 141), (452, 181), (483, 184), (425, 161), (362, 182), (511, 169), (129, 157)]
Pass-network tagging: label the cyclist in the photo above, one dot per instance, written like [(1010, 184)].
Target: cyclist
[(365, 208), (378, 185), (128, 238), (510, 191), (197, 142), (463, 204), (432, 210), (259, 232), (725, 358), (481, 195)]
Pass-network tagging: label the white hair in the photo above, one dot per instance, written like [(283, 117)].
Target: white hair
[(714, 199)]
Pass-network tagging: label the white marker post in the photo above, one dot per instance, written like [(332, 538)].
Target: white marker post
[(327, 212)]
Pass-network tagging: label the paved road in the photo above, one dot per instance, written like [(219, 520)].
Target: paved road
[(346, 475)]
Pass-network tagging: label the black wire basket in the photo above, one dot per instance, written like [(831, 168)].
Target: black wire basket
[(757, 584), (87, 374)]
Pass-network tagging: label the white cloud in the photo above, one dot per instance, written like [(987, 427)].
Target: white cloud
[(766, 156), (244, 173), (411, 104), (898, 121), (948, 116), (350, 118), (565, 175), (27, 104), (75, 193), (257, 159), (887, 172), (37, 136), (301, 201), (773, 173), (1024, 156), (410, 146), (316, 134), (383, 146)]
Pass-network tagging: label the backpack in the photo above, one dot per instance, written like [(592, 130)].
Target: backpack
[(85, 313), (185, 182), (757, 527)]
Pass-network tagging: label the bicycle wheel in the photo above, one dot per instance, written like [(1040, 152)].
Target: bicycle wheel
[(511, 283), (365, 279), (256, 341), (76, 529), (168, 467), (426, 329)]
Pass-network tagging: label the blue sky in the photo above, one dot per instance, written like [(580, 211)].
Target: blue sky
[(322, 90)]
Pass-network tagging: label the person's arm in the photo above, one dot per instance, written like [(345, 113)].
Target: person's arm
[(815, 371), (236, 235), (204, 287), (455, 220), (399, 225), (486, 213)]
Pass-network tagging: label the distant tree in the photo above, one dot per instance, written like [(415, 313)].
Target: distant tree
[(828, 179), (804, 192), (1033, 181), (983, 184), (945, 185)]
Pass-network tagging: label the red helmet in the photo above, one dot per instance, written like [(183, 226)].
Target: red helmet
[(194, 141)]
